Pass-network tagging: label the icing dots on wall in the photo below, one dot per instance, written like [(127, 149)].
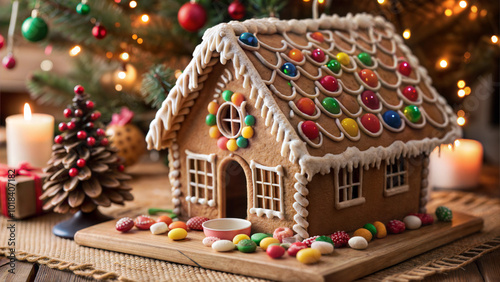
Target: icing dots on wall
[(229, 123)]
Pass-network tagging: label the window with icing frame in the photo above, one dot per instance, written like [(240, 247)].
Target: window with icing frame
[(348, 188), (267, 185), (201, 179), (396, 177), (229, 120)]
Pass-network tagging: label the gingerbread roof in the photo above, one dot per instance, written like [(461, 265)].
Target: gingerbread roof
[(337, 91)]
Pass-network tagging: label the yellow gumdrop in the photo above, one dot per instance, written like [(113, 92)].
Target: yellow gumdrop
[(350, 126), (309, 256), (264, 243), (231, 145), (214, 131), (213, 107), (177, 234), (343, 58), (381, 230), (365, 233), (247, 132), (240, 237)]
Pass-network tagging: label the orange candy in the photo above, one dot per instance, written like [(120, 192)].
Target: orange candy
[(318, 36), (214, 131), (177, 224), (213, 107), (237, 99), (296, 55), (369, 77), (164, 218)]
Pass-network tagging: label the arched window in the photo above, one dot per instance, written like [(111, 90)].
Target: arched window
[(229, 120)]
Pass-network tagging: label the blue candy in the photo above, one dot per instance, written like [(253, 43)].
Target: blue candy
[(392, 119), (289, 69), (249, 39)]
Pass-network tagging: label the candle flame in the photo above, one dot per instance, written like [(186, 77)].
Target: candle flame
[(27, 111), (457, 143)]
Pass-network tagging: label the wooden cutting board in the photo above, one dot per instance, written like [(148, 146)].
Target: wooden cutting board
[(344, 264)]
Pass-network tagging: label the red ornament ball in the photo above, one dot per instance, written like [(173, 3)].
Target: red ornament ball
[(306, 106), (404, 68), (100, 132), (78, 113), (121, 168), (58, 139), (99, 31), (411, 93), (330, 83), (370, 122), (369, 77), (310, 129), (370, 99), (236, 10), (79, 90), (104, 141), (81, 134), (73, 172), (91, 141), (95, 115), (318, 55), (89, 104), (81, 163), (9, 62), (192, 16), (67, 113), (318, 36), (62, 126), (90, 125), (71, 125)]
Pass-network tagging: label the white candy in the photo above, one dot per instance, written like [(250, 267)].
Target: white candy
[(324, 247), (208, 241), (159, 228), (412, 222), (358, 243), (223, 246)]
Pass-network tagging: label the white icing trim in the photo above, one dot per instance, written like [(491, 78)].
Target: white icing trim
[(300, 206), (174, 177), (272, 212)]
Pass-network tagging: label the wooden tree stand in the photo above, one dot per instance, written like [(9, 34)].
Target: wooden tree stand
[(344, 264)]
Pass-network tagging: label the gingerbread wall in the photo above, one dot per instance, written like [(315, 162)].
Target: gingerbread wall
[(324, 218), (263, 149)]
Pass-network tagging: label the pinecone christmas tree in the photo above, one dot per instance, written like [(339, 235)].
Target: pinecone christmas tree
[(85, 171)]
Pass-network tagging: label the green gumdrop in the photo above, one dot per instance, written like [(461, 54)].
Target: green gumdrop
[(210, 120), (371, 228), (331, 105), (249, 120), (257, 237), (412, 113), (444, 213), (334, 66), (365, 59), (82, 9), (324, 239), (242, 142), (226, 95), (246, 246), (34, 29)]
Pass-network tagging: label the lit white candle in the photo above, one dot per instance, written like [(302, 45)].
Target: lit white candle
[(457, 166), (29, 138)]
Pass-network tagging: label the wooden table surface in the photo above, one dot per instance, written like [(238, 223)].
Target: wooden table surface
[(486, 268)]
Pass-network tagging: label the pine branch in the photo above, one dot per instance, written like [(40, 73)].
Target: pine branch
[(156, 84)]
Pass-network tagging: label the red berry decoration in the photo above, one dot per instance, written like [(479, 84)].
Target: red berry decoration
[(81, 163), (100, 132), (124, 224), (330, 83), (89, 104), (236, 10), (275, 251), (73, 172), (318, 55), (411, 93), (369, 77), (318, 36), (62, 126), (309, 240), (99, 31), (404, 68), (370, 122), (90, 125), (426, 218), (91, 141), (370, 99), (67, 113), (58, 139), (296, 247), (192, 16), (79, 90), (306, 106), (395, 226), (194, 223), (310, 129), (9, 62), (340, 239), (104, 141), (121, 167), (81, 134), (78, 113), (71, 125), (143, 222), (95, 115)]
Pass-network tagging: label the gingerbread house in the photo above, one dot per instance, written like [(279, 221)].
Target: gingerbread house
[(317, 125)]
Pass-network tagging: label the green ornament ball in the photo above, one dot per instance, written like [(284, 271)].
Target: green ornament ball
[(334, 66), (210, 120), (226, 95), (34, 29), (444, 214), (412, 113), (242, 142), (371, 228), (331, 105), (82, 9), (365, 58), (249, 120)]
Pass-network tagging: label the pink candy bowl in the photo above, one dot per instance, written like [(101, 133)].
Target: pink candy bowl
[(226, 228)]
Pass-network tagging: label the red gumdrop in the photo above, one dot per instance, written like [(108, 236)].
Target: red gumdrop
[(306, 106), (370, 122), (318, 55), (310, 129), (370, 99), (330, 83), (405, 68), (275, 251), (411, 93), (221, 143), (318, 36)]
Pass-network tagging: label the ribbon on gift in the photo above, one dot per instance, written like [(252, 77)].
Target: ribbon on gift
[(25, 169)]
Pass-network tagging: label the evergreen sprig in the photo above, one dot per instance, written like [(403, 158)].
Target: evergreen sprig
[(156, 84)]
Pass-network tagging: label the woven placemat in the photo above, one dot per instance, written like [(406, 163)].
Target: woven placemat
[(35, 243)]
